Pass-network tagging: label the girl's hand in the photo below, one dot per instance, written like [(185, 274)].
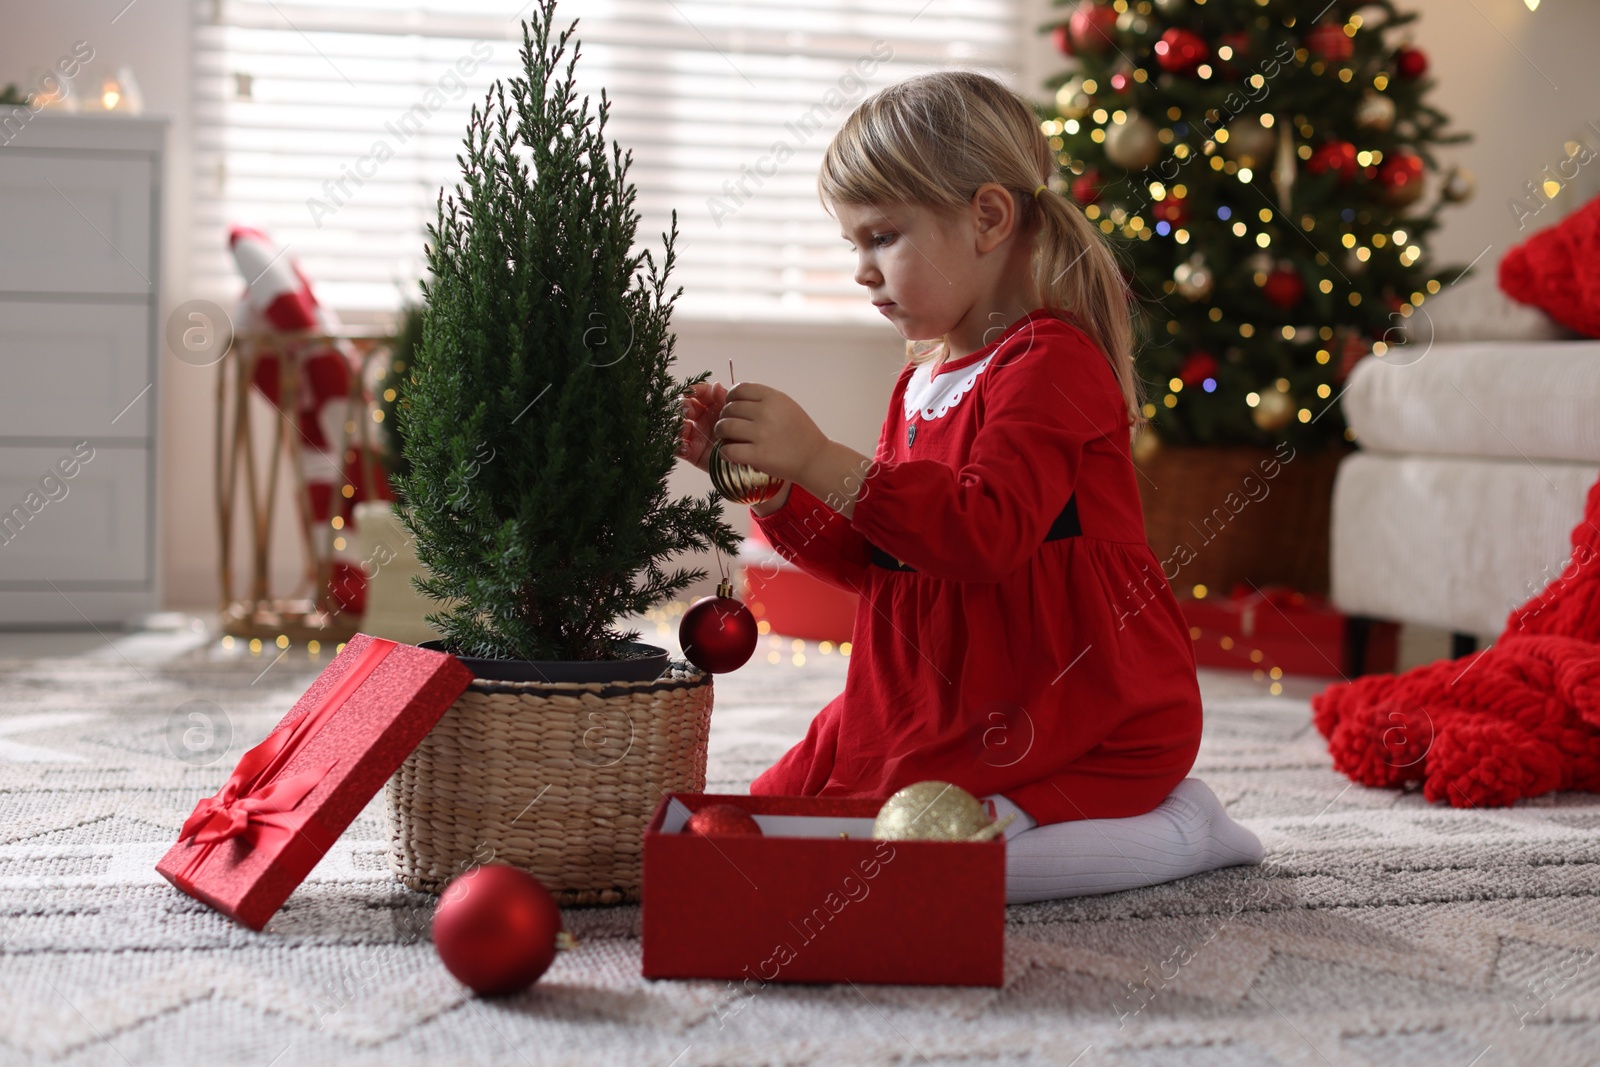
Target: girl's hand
[(702, 406), (765, 429)]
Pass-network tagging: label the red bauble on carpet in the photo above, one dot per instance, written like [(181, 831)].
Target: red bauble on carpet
[(495, 929)]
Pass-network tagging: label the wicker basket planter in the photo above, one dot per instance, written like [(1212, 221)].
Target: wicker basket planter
[(558, 778)]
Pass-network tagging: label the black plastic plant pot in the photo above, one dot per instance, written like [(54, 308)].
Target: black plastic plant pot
[(647, 664)]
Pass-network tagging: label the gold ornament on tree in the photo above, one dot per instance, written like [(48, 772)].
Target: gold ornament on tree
[(1273, 411), (1132, 143), (935, 811), (1285, 167), (1459, 185), (737, 482), (1375, 112), (1250, 141), (1193, 278)]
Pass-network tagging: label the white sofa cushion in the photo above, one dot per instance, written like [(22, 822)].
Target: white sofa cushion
[(1479, 310), (1524, 400), (1450, 541)]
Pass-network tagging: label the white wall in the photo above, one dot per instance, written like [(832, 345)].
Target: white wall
[(1524, 82)]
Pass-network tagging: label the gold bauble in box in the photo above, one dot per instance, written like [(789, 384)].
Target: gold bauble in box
[(739, 483), (935, 811)]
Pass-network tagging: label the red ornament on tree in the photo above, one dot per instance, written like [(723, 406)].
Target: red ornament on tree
[(1337, 156), (1180, 51), (1172, 209), (1329, 43), (1410, 62), (495, 929), (1062, 39), (718, 633), (722, 819), (1401, 178), (1197, 368), (1284, 288), (1092, 27), (1086, 188)]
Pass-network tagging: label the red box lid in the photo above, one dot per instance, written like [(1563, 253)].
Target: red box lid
[(245, 850), (818, 909)]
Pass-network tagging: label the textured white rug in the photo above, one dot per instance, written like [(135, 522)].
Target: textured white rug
[(1381, 931)]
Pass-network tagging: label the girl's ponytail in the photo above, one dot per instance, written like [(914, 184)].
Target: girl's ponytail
[(1076, 271)]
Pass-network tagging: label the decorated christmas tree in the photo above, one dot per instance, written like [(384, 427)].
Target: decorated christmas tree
[(540, 419), (1263, 166)]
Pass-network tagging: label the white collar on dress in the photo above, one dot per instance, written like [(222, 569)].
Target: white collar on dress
[(933, 397)]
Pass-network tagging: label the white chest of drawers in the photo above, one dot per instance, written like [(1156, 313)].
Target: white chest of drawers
[(80, 211)]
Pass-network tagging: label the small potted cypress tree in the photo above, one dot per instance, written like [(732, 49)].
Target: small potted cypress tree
[(540, 424), (541, 418)]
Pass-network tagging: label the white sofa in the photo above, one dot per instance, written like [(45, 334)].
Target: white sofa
[(1475, 458)]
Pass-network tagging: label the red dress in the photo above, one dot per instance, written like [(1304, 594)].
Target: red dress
[(1057, 672)]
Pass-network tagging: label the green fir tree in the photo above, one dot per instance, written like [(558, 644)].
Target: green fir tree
[(1263, 176), (541, 419)]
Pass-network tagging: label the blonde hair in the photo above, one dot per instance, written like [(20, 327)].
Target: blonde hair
[(979, 131)]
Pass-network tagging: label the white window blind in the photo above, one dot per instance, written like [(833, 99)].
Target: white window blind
[(332, 128)]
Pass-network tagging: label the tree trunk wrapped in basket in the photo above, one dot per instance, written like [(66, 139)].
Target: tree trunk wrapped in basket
[(558, 778)]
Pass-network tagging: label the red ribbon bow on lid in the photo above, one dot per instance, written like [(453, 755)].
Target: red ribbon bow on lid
[(254, 801), (229, 813)]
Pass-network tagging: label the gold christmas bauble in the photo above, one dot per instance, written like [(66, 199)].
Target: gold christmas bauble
[(1071, 100), (1273, 411), (1375, 112), (1250, 142), (1132, 143), (935, 811), (1145, 445), (739, 483), (1193, 278), (1459, 185)]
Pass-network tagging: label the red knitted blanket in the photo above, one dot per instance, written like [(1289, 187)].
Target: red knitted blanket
[(1519, 718)]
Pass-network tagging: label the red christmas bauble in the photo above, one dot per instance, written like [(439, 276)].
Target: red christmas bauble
[(1092, 27), (1172, 209), (495, 929), (1062, 39), (1086, 188), (1337, 156), (1328, 42), (1410, 62), (718, 633), (1401, 177), (1284, 288), (722, 819), (1180, 51), (1197, 368)]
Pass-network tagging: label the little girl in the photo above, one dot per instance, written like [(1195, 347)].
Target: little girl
[(1013, 634)]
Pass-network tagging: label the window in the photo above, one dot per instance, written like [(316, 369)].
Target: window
[(332, 127)]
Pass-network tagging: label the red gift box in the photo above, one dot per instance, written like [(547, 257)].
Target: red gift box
[(803, 904), (1259, 629), (789, 600), (245, 850)]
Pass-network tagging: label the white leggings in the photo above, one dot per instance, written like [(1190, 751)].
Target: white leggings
[(1187, 833)]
